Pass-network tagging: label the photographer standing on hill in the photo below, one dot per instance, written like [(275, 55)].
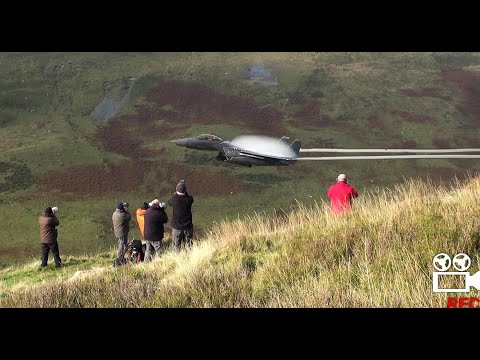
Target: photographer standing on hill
[(121, 226), (154, 218), (341, 195), (182, 225), (141, 218), (48, 236)]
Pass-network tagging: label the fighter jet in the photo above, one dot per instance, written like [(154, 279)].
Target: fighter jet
[(246, 150), (262, 150)]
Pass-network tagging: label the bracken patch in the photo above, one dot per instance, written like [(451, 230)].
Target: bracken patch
[(468, 84), (95, 180)]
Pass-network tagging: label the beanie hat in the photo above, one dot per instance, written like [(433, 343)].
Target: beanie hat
[(120, 206), (48, 211), (181, 187)]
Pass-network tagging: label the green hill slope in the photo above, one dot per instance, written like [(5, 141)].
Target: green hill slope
[(83, 131), (380, 255)]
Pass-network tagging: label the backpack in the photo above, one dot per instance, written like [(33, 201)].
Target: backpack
[(138, 251), (134, 253)]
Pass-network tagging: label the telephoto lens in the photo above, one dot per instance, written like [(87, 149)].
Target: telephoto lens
[(55, 209)]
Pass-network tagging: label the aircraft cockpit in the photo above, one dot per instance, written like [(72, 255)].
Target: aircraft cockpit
[(209, 137)]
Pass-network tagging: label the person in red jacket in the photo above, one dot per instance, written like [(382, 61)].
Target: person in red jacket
[(341, 195)]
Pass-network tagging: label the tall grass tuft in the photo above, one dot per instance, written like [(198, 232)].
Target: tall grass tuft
[(378, 255)]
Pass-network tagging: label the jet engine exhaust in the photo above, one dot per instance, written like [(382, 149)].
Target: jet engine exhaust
[(420, 151), (264, 145), (386, 157)]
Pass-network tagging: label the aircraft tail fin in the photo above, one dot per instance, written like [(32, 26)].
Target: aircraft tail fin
[(284, 139), (296, 144)]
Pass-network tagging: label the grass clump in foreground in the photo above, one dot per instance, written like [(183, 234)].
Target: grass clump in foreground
[(380, 255)]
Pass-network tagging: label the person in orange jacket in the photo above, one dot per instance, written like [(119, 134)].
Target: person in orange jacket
[(141, 219), (341, 195)]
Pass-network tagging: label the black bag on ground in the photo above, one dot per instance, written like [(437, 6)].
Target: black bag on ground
[(138, 250)]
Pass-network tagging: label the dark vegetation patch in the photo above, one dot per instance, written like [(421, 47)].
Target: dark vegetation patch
[(127, 136), (14, 176), (309, 116), (375, 124), (309, 113), (117, 136), (200, 182), (320, 142), (474, 143), (441, 175), (425, 92), (414, 117), (441, 143), (198, 104), (468, 84), (380, 129), (95, 180)]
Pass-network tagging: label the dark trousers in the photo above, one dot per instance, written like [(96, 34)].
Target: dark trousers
[(153, 247), (122, 247), (56, 253), (180, 237)]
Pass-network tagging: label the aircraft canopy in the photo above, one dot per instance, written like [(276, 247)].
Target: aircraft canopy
[(209, 137)]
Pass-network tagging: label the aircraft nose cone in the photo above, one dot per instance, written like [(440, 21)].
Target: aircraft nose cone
[(179, 142)]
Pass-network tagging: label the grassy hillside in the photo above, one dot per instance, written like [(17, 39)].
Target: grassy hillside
[(379, 255), (83, 131)]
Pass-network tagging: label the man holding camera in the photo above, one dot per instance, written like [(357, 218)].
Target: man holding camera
[(341, 195), (48, 236), (154, 218), (121, 226), (182, 224)]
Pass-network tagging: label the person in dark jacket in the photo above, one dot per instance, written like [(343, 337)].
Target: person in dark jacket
[(341, 195), (48, 236), (154, 218), (121, 226), (182, 224)]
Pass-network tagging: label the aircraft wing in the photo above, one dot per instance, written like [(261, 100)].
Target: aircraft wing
[(231, 151), (263, 155)]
